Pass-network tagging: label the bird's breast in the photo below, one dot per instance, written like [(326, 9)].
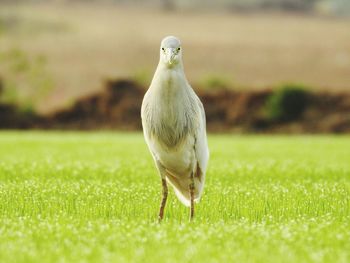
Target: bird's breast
[(170, 113), (171, 126)]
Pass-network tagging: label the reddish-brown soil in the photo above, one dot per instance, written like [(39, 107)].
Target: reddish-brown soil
[(118, 107)]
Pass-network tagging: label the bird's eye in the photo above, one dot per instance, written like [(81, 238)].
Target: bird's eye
[(163, 49), (178, 49)]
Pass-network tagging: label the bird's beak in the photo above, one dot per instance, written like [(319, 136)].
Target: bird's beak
[(170, 55)]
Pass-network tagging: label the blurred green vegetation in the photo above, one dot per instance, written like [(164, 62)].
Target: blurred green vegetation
[(26, 80), (216, 81), (287, 102), (143, 77)]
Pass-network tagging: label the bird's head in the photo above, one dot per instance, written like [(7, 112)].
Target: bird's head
[(170, 51)]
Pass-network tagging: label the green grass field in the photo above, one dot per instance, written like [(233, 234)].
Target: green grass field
[(94, 197)]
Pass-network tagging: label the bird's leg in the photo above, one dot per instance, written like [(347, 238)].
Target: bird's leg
[(162, 173), (164, 198), (191, 188)]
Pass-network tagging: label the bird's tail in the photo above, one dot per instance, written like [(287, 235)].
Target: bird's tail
[(181, 186)]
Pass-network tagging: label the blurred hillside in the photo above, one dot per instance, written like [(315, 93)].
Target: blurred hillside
[(335, 7), (53, 52)]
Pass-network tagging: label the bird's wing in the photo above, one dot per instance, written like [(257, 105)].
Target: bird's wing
[(201, 145), (145, 123)]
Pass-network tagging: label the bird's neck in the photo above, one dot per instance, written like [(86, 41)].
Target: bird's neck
[(170, 77), (178, 67), (169, 86)]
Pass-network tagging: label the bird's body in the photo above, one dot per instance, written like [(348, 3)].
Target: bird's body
[(173, 121)]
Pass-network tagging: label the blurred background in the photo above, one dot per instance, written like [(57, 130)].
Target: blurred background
[(258, 65)]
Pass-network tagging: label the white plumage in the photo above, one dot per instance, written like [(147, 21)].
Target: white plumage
[(174, 127)]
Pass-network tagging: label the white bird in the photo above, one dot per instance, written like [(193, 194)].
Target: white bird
[(174, 127)]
